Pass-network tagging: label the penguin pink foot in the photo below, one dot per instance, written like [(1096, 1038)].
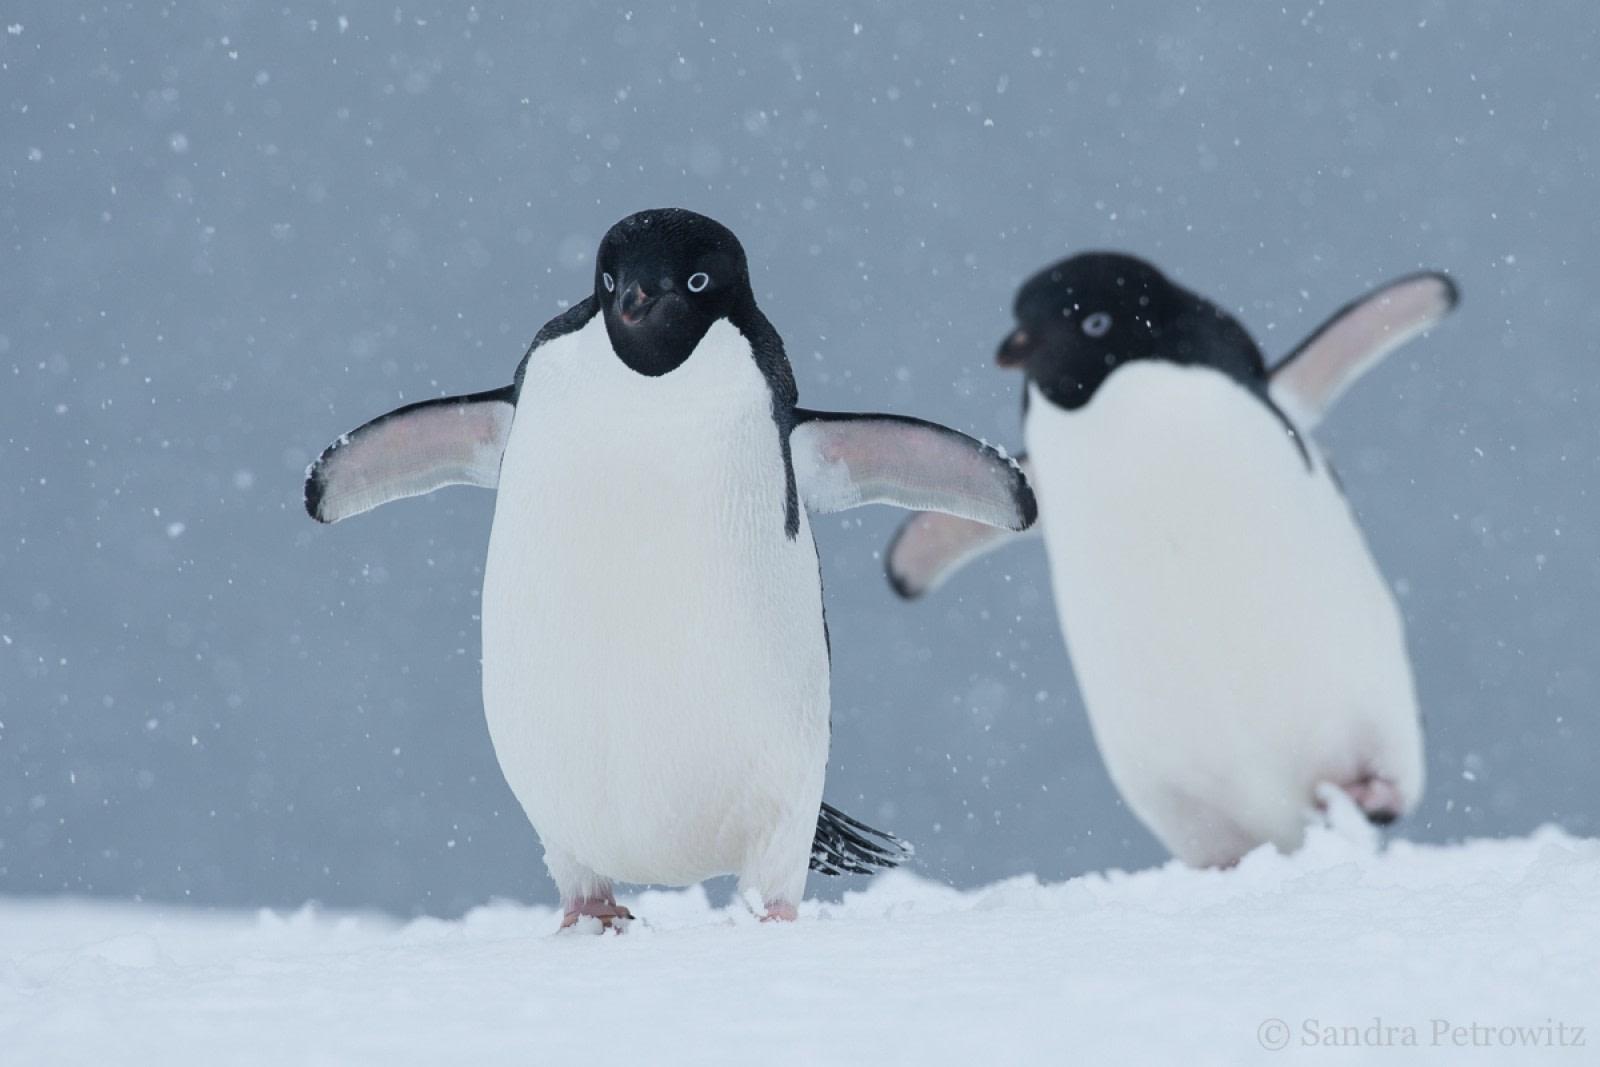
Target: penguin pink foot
[(1378, 798), (612, 916), (780, 912)]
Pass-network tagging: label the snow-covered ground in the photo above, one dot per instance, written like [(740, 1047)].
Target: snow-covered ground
[(1446, 947)]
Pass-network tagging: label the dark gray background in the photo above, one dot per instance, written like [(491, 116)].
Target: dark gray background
[(233, 231)]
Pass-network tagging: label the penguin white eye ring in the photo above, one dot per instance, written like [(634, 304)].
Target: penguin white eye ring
[(1097, 324), (698, 281), (608, 281)]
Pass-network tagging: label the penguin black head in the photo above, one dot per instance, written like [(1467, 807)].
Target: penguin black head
[(1082, 318), (662, 278)]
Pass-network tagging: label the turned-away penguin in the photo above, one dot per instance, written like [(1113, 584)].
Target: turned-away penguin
[(655, 659), (1235, 644)]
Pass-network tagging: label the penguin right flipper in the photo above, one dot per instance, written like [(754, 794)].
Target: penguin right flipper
[(930, 546), (454, 440), (845, 460), (1312, 377)]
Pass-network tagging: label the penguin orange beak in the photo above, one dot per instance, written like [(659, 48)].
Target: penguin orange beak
[(1016, 348), (633, 306)]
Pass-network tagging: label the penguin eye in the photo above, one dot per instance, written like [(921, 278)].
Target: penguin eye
[(698, 281), (609, 282), (1098, 324)]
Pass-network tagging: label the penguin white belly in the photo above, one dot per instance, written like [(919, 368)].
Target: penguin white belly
[(1233, 639), (655, 669)]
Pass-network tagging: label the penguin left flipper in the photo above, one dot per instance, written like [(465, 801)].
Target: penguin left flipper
[(1355, 339), (453, 440), (930, 547), (844, 460)]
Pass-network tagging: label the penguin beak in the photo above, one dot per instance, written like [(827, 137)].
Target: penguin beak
[(1016, 348), (633, 305)]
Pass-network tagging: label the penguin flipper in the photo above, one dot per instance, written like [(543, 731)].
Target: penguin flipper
[(845, 460), (1354, 340), (453, 440), (929, 547)]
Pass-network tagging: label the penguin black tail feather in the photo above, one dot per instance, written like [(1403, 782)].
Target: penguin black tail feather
[(846, 846)]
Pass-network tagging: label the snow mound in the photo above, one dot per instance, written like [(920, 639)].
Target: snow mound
[(1486, 952)]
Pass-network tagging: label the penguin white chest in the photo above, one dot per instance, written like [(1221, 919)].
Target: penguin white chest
[(1232, 637), (655, 667)]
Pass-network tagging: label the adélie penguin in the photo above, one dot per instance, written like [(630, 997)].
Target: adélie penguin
[(1235, 644), (655, 657)]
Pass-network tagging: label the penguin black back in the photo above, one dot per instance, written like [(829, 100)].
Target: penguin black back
[(1082, 318)]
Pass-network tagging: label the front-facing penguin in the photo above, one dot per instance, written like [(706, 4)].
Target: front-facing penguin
[(1234, 642), (655, 659)]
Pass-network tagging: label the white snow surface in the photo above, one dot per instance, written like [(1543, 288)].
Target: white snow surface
[(1169, 965)]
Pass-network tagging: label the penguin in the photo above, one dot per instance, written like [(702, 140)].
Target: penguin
[(655, 654), (1235, 645)]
